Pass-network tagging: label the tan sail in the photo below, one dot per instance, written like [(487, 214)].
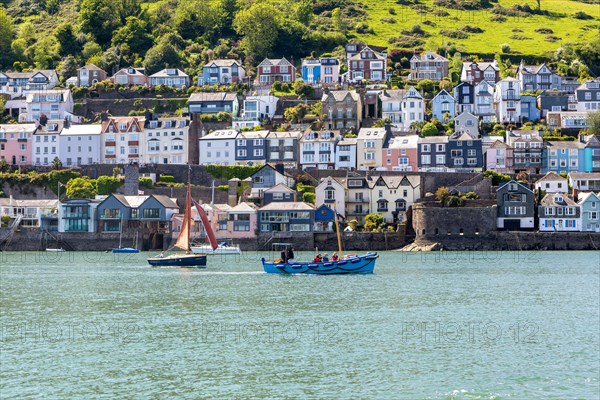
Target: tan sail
[(337, 229), (183, 241)]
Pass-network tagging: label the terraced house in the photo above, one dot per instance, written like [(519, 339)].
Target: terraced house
[(121, 139), (342, 109), (428, 65)]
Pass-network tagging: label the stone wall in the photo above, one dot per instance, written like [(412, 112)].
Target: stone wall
[(433, 222)]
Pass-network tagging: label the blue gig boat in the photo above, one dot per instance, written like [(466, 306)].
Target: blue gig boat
[(351, 265)]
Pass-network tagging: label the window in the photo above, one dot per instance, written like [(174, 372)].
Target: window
[(425, 148), (151, 213), (258, 152), (329, 194), (440, 159)]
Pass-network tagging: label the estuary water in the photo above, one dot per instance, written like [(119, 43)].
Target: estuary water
[(445, 325)]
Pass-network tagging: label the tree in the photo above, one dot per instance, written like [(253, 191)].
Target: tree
[(441, 194), (68, 67), (66, 39), (429, 129), (593, 121), (134, 34), (6, 36), (198, 18), (56, 164), (304, 11), (161, 55), (107, 184), (426, 85), (373, 222), (339, 22), (81, 188), (99, 18), (259, 25)]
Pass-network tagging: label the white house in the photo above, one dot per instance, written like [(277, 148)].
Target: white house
[(391, 195), (165, 141), (121, 139), (345, 154), (330, 191), (317, 149), (170, 77), (31, 212), (80, 144), (54, 104), (559, 213), (585, 181), (45, 142), (467, 123), (16, 84), (413, 108), (218, 147), (507, 100), (256, 110), (369, 147), (552, 183), (484, 101)]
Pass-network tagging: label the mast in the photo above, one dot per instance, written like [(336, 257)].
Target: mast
[(337, 230), (183, 241)]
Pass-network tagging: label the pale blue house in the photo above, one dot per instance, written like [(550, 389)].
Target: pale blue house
[(589, 204), (529, 108), (563, 157), (591, 154), (442, 106)]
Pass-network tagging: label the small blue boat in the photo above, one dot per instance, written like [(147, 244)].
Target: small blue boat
[(125, 250), (179, 260), (351, 265)]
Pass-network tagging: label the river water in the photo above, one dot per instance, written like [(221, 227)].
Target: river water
[(446, 325)]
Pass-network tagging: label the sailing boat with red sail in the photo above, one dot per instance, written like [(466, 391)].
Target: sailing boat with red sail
[(186, 259)]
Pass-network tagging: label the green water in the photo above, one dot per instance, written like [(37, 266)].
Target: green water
[(512, 325)]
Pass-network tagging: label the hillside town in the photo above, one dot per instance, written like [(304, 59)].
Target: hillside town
[(325, 136)]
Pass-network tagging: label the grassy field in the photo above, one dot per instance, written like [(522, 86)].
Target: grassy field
[(564, 27)]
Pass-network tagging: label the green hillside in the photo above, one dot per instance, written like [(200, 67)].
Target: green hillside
[(113, 34)]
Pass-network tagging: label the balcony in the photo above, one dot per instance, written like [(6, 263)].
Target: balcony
[(511, 97)]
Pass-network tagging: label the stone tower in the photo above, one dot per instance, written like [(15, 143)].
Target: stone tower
[(132, 183)]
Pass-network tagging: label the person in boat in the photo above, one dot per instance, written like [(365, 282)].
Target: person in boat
[(161, 255), (317, 258), (334, 257), (283, 256), (290, 254), (325, 258)]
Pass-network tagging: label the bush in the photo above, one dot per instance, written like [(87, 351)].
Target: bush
[(309, 197), (232, 171), (496, 177), (441, 194), (373, 222), (505, 48), (166, 178), (472, 29), (392, 11), (544, 31), (498, 18), (276, 86), (388, 20), (454, 201), (430, 130), (471, 196), (223, 188), (582, 15), (454, 34), (107, 184), (146, 182)]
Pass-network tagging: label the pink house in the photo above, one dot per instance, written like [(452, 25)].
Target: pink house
[(401, 154), (242, 221), (499, 157), (16, 143), (130, 76)]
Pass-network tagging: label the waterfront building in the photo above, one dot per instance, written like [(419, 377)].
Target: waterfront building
[(77, 215), (516, 207), (322, 71), (589, 205), (153, 212), (464, 97), (558, 213), (341, 109), (401, 154), (528, 147), (552, 183), (121, 139), (16, 84), (563, 156), (369, 147), (130, 77), (443, 106), (272, 70), (499, 157), (432, 153), (330, 192), (286, 217), (537, 77), (325, 219), (50, 104), (267, 177), (80, 144), (242, 221), (317, 149), (172, 77), (474, 72), (588, 96), (218, 147), (367, 65), (507, 101), (165, 140), (89, 75), (30, 213), (428, 65), (282, 148), (251, 147), (222, 72), (278, 193), (16, 143), (392, 195), (345, 154), (584, 181), (358, 198), (45, 142), (214, 103)]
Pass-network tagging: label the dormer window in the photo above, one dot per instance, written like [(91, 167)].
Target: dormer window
[(122, 126)]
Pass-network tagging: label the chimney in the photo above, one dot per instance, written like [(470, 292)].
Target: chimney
[(104, 116), (67, 123), (279, 168), (43, 120)]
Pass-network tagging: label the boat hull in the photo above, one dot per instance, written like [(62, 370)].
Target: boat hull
[(125, 250), (353, 265), (179, 260), (218, 250)]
